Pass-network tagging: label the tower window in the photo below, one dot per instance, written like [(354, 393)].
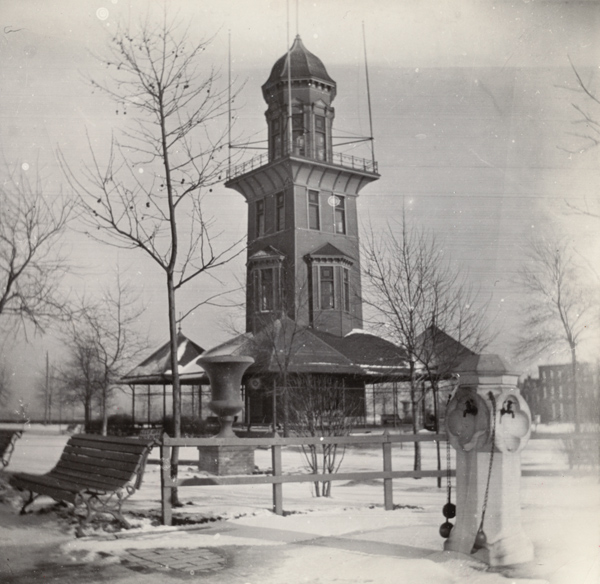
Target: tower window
[(298, 133), (340, 215), (320, 138), (313, 210), (326, 288), (346, 290), (264, 289), (276, 138), (260, 218), (279, 212)]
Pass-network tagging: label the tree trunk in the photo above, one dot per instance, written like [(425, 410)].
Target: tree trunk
[(415, 426), (436, 415), (176, 387), (87, 413), (104, 416), (575, 389), (286, 431)]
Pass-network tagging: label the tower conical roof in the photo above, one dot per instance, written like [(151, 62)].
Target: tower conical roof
[(305, 65)]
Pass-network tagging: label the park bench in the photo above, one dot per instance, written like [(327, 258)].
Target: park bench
[(387, 419), (154, 433), (98, 472), (7, 444)]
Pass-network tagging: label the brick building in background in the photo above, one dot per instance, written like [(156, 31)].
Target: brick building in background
[(551, 395)]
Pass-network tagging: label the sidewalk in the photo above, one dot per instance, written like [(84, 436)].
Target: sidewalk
[(318, 548)]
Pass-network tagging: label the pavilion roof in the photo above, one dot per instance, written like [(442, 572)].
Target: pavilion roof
[(156, 368), (283, 345)]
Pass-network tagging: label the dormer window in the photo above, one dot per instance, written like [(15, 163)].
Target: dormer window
[(326, 288), (265, 289), (265, 273)]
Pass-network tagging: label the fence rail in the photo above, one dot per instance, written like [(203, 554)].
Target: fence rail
[(277, 478)]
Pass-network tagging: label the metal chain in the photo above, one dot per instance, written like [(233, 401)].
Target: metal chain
[(487, 487), (448, 457)]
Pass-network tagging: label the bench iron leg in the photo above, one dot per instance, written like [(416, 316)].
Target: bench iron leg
[(95, 506), (32, 497)]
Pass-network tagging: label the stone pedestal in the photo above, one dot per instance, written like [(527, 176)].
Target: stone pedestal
[(487, 414), (226, 460), (225, 373)]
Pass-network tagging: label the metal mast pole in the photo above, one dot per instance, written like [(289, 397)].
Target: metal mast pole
[(229, 109), (289, 80), (369, 96)]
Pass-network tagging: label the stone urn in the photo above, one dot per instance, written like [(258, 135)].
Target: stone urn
[(225, 373)]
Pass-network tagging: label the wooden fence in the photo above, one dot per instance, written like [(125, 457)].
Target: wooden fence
[(277, 478)]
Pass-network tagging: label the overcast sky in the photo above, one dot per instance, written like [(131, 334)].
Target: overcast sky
[(472, 110)]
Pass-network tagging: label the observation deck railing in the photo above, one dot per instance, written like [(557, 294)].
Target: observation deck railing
[(337, 159)]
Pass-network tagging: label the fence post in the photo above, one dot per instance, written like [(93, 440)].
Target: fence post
[(165, 478), (277, 487), (388, 497)]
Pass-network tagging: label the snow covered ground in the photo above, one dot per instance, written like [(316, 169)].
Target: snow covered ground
[(363, 543)]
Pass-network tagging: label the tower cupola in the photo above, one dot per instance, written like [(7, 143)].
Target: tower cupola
[(299, 92)]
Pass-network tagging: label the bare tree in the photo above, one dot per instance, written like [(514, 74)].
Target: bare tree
[(279, 340), (559, 306), (414, 289), (80, 375), (586, 134), (5, 385), (319, 405), (104, 340), (31, 261), (45, 387), (148, 194)]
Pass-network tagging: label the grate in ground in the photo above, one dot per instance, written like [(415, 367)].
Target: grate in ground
[(190, 561)]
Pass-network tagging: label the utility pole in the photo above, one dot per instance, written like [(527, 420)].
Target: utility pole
[(47, 405)]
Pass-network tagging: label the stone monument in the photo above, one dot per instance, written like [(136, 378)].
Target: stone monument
[(488, 424)]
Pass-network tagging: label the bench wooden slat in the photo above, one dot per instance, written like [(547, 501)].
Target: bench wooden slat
[(53, 490), (92, 469), (126, 457), (88, 481), (97, 471), (118, 445), (58, 481), (110, 465)]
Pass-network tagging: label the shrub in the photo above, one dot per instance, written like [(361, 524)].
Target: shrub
[(118, 425), (190, 426)]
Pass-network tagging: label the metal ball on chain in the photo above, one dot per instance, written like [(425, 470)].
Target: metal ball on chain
[(449, 510), (445, 529), (480, 541)]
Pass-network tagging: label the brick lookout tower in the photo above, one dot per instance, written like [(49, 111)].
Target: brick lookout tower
[(304, 313), (303, 248)]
